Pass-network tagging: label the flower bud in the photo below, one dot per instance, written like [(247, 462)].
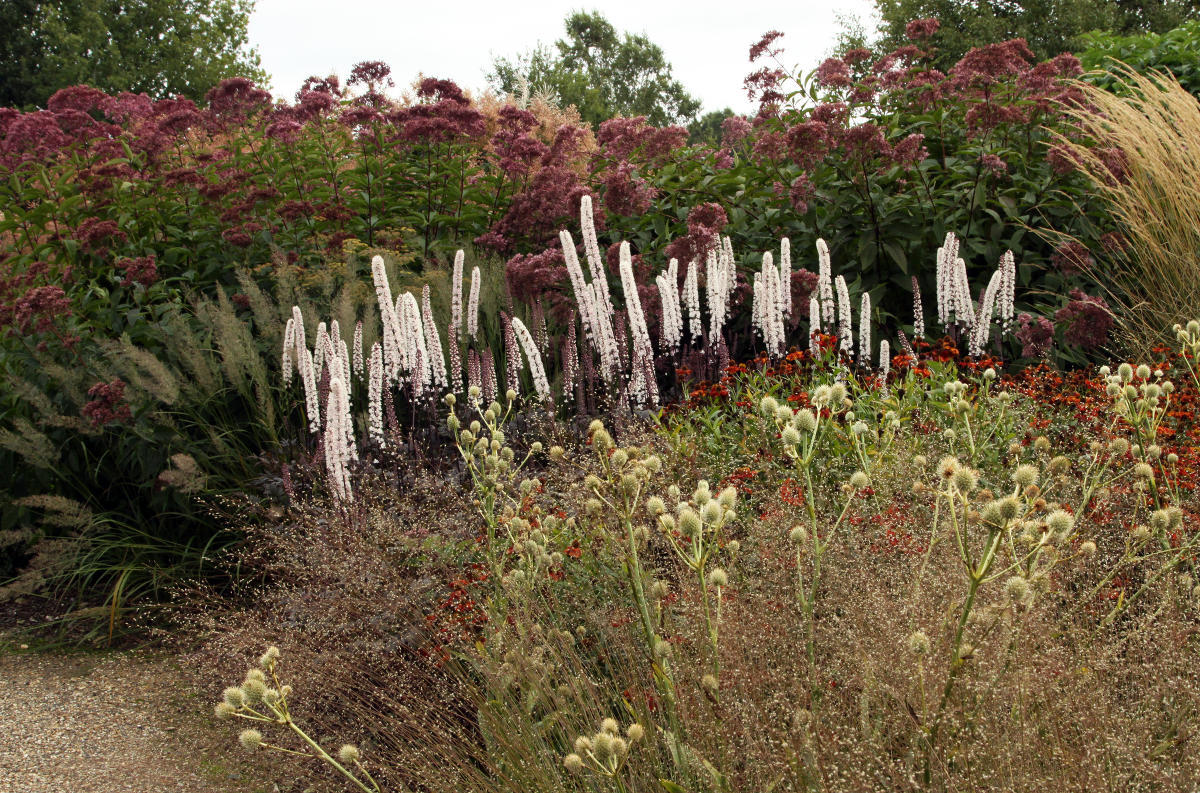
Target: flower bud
[(610, 726), (806, 421), (798, 535), (635, 732), (583, 744), (233, 695), (348, 753), (717, 577), (224, 710), (573, 763), (859, 480)]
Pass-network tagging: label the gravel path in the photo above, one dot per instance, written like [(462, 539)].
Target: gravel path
[(109, 723)]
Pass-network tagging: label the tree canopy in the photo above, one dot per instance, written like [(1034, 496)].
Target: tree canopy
[(601, 72), (1049, 27), (159, 47)]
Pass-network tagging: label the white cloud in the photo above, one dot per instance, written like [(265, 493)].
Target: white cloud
[(707, 44)]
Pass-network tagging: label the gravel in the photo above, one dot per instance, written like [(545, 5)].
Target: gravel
[(86, 723)]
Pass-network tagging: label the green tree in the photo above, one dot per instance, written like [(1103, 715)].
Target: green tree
[(1048, 26), (602, 73), (159, 47)]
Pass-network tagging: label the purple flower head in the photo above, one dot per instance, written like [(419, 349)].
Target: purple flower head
[(993, 164), (94, 234), (1087, 320), (763, 45), (625, 193), (985, 66), (763, 85), (1071, 258), (622, 137), (142, 270), (856, 55), (82, 98), (36, 310), (285, 130), (833, 73), (1036, 336), (734, 130), (126, 107), (535, 275), (909, 150), (32, 136), (865, 142), (808, 142), (799, 193), (920, 29), (236, 98), (440, 90), (321, 85), (107, 404), (371, 74), (831, 114), (313, 104)]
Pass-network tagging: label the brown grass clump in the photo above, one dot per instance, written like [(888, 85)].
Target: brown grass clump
[(1145, 165)]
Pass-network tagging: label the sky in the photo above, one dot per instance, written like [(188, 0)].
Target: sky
[(707, 44)]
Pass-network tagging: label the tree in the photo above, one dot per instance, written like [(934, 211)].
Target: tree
[(159, 47), (1049, 27), (602, 73)]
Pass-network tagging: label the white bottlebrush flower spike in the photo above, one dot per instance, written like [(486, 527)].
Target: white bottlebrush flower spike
[(864, 330), (691, 298), (825, 283), (845, 321), (337, 450), (433, 343), (473, 305), (671, 325), (289, 344), (814, 322), (359, 371), (375, 395), (540, 384), (785, 274)]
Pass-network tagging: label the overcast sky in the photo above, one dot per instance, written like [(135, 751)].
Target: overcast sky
[(707, 44)]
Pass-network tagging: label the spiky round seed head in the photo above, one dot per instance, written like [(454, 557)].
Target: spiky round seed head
[(920, 461), (635, 732), (629, 484), (583, 744), (474, 392), (767, 406), (790, 436), (1160, 520), (1125, 372), (718, 577), (783, 414), (224, 710), (689, 523), (859, 480), (348, 753), (659, 589), (966, 479), (610, 726), (250, 739), (253, 690), (620, 746), (732, 547), (709, 683), (701, 495), (1041, 444), (947, 466), (655, 506), (711, 512), (918, 643), (798, 535), (1026, 475), (1059, 465), (271, 696), (949, 434), (602, 744), (1143, 371), (727, 497), (662, 648), (573, 763), (805, 421), (619, 458), (1017, 589), (256, 674), (1009, 508), (652, 464), (1143, 471), (1087, 549), (1176, 517), (593, 506), (1140, 533), (1060, 521), (233, 695)]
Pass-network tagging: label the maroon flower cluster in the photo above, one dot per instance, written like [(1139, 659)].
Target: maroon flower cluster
[(1086, 320), (142, 270), (1036, 335), (704, 223), (107, 404)]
